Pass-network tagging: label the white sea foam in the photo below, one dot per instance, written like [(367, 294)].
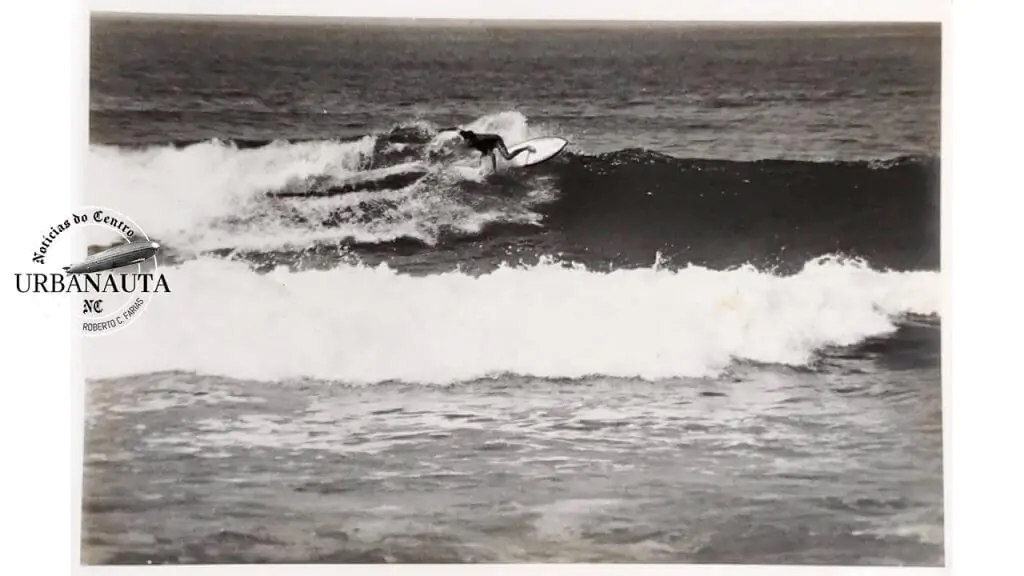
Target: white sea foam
[(358, 324), (171, 191), (212, 195)]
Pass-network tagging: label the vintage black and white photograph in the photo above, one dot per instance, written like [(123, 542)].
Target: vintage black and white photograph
[(479, 291)]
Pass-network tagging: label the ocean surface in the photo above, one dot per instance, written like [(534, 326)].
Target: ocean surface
[(707, 332)]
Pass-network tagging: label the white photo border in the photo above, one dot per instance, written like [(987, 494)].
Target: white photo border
[(44, 112)]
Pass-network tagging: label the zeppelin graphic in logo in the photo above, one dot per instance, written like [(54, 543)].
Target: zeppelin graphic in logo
[(111, 286)]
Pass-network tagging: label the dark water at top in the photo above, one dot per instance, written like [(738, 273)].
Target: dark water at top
[(850, 92)]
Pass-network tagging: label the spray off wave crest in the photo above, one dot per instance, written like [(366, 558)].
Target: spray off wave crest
[(411, 182), (363, 325)]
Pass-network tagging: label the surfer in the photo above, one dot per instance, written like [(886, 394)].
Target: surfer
[(486, 144)]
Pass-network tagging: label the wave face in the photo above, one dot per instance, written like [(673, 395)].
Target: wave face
[(359, 324), (412, 197)]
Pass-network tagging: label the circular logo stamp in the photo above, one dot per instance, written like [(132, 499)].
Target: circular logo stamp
[(114, 283)]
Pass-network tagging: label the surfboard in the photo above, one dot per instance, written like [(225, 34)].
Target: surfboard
[(547, 147)]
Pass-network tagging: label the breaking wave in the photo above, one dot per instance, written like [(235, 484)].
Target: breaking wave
[(412, 188), (363, 325)]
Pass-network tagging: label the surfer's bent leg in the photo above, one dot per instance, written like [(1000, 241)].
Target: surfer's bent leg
[(504, 151), (505, 154), (500, 145)]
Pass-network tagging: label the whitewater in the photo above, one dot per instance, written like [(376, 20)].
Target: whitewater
[(214, 194), (363, 325)]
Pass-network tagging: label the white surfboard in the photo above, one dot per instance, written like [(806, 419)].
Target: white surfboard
[(546, 148)]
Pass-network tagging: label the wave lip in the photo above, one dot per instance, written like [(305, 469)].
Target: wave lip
[(362, 325)]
